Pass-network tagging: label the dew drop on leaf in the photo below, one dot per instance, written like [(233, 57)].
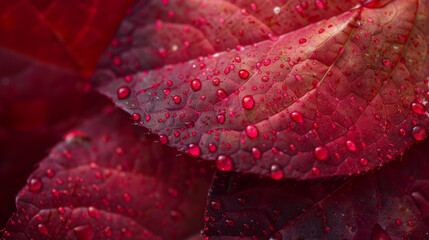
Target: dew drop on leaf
[(351, 146), (419, 133), (123, 92), (256, 152), (302, 40), (215, 204), (85, 232), (224, 162), (296, 116), (34, 185), (163, 139), (418, 108), (251, 131), (193, 149), (248, 102), (195, 84), (276, 172), (320, 152), (243, 74)]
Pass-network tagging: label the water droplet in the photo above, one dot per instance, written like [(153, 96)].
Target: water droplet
[(230, 222), (256, 152), (216, 81), (177, 99), (193, 149), (176, 215), (351, 146), (42, 229), (321, 152), (315, 171), (195, 84), (296, 116), (276, 236), (135, 116), (251, 131), (126, 232), (248, 102), (93, 212), (85, 232), (276, 172), (215, 204), (385, 62), (243, 74), (220, 118), (419, 133), (422, 203), (34, 185), (224, 162), (127, 197), (163, 139), (123, 92), (418, 108), (363, 162), (302, 40), (221, 94), (398, 222), (212, 147)]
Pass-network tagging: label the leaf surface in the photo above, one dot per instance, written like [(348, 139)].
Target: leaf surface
[(391, 203), (106, 181), (334, 97)]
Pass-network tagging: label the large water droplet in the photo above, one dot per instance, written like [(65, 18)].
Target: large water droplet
[(221, 94), (248, 102), (123, 92), (320, 152), (177, 99), (224, 162), (251, 131)]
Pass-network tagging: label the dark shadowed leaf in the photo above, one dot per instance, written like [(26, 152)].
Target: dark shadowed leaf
[(106, 181), (337, 97), (391, 203), (68, 33)]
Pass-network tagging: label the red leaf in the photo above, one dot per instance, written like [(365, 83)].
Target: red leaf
[(391, 203), (71, 34), (337, 97), (104, 181)]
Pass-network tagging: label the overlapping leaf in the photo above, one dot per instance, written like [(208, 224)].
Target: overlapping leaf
[(337, 97), (71, 34), (104, 181), (392, 203)]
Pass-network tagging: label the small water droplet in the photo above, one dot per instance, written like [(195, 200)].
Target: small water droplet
[(224, 162), (215, 204), (34, 185), (220, 118), (42, 229), (351, 146), (248, 102), (276, 172), (243, 74), (221, 94), (418, 108), (256, 152), (385, 62), (251, 131), (135, 116), (212, 147), (230, 222), (85, 232), (195, 84), (193, 149), (163, 139), (177, 99), (419, 133), (302, 40), (296, 116), (320, 152), (363, 161), (176, 215), (123, 92)]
